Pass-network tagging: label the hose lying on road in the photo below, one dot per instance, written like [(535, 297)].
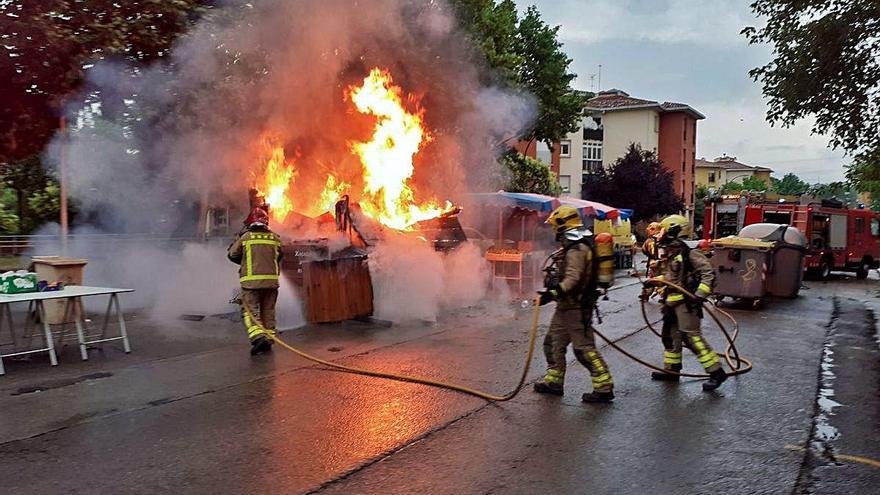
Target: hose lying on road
[(533, 334), (737, 363)]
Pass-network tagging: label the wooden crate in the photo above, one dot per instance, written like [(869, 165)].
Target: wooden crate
[(337, 289)]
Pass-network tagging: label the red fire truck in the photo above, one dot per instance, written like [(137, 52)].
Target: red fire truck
[(839, 238)]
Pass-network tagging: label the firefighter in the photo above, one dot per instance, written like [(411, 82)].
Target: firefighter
[(682, 316), (650, 250), (258, 251), (575, 291)]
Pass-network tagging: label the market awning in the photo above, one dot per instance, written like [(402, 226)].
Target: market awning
[(536, 202), (542, 203), (593, 209)]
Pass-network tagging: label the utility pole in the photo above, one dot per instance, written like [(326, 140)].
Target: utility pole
[(62, 181), (599, 83)]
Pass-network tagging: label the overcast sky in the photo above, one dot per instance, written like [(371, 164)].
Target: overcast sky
[(689, 51)]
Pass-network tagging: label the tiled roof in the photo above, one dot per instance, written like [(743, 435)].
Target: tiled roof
[(615, 99), (728, 163)]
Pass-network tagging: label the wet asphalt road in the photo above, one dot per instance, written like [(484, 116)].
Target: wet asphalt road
[(190, 412)]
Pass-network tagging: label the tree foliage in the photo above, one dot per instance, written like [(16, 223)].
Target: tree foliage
[(790, 185), (636, 181), (826, 64), (529, 175), (526, 53), (51, 44), (746, 184)]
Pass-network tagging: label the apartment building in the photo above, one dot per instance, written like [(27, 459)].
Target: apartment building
[(726, 169), (612, 121)]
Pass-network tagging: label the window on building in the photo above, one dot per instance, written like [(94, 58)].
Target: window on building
[(592, 159), (694, 135), (711, 177), (685, 127), (565, 182), (565, 148), (656, 123)]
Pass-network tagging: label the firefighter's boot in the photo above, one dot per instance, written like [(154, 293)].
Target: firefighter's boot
[(260, 345), (598, 397), (716, 378), (671, 363), (549, 388)]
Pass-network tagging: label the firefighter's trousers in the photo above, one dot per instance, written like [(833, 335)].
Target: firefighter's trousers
[(262, 303), (570, 326), (681, 328)]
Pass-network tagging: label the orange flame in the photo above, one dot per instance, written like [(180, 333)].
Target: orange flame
[(387, 158), (276, 178), (386, 161)]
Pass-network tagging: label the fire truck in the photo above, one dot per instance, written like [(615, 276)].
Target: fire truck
[(839, 238)]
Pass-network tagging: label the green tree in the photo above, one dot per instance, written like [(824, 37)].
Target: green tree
[(51, 44), (790, 185), (700, 195), (826, 64), (747, 184), (545, 73), (636, 181), (526, 53), (8, 219), (529, 175)]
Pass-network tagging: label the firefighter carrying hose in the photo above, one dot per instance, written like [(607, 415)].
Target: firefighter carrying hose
[(258, 251), (682, 316), (572, 283)]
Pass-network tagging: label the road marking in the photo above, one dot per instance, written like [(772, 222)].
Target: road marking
[(844, 457)]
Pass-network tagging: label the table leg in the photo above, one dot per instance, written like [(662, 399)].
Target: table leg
[(77, 321), (122, 330), (5, 308), (47, 333), (107, 317)]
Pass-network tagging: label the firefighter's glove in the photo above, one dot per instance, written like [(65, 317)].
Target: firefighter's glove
[(652, 282), (548, 296), (646, 293)]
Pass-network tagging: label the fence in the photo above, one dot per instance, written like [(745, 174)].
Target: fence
[(15, 245)]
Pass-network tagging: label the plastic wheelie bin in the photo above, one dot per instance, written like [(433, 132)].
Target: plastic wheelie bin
[(741, 268), (785, 272)]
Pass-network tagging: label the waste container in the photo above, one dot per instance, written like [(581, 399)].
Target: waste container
[(68, 271), (785, 273), (741, 267)]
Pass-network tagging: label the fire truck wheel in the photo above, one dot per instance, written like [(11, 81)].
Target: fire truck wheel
[(864, 269)]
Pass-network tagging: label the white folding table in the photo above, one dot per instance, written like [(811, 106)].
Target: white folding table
[(73, 308)]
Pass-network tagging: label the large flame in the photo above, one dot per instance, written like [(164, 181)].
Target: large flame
[(276, 178), (386, 165), (387, 158)]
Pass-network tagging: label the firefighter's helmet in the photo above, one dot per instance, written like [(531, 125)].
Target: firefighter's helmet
[(675, 226), (258, 216), (565, 218)]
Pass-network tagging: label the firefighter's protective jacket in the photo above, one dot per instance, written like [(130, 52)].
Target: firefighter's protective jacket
[(575, 269), (696, 275), (258, 251)]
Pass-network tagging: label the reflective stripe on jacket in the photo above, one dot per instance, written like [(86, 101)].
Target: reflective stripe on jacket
[(259, 253), (672, 270)]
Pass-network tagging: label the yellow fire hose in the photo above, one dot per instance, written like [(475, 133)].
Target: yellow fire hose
[(737, 364)]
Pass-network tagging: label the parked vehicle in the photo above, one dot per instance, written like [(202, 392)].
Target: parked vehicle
[(838, 238)]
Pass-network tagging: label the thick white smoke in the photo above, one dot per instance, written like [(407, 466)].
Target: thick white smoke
[(169, 140)]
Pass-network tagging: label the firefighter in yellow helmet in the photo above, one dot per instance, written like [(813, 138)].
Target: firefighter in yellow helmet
[(258, 251), (572, 283), (682, 316), (649, 249)]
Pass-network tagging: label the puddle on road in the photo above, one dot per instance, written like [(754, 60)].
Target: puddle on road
[(824, 432)]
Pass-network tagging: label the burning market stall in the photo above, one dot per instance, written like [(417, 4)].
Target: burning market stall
[(331, 217)]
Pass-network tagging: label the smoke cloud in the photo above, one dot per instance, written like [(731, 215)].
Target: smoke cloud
[(184, 134)]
